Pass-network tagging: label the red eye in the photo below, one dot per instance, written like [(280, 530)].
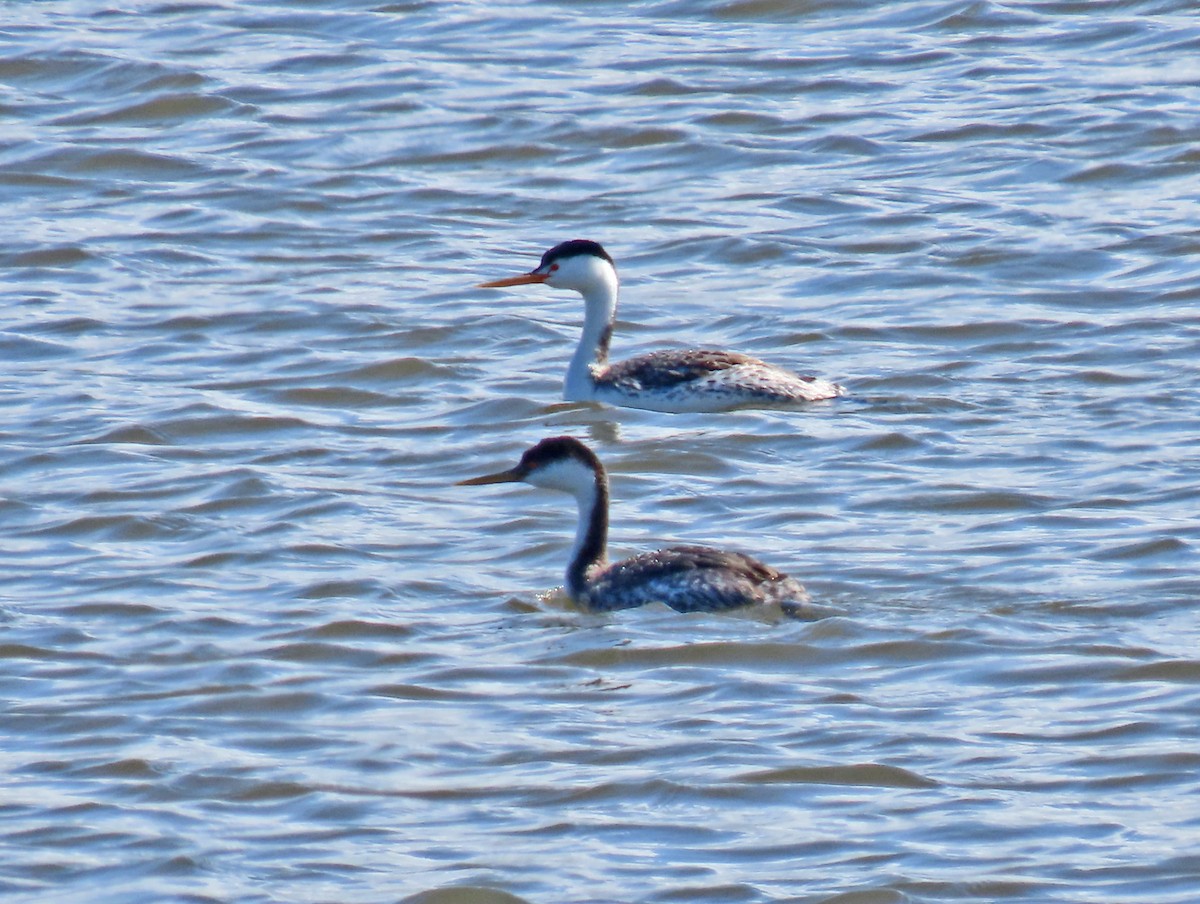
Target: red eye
[(553, 267)]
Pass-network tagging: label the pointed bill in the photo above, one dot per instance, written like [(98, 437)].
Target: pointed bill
[(512, 475), (523, 280)]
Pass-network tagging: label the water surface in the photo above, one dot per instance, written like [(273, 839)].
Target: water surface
[(255, 645)]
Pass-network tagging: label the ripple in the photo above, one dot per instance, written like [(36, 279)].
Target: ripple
[(254, 637), (167, 108), (463, 894), (50, 257), (876, 775)]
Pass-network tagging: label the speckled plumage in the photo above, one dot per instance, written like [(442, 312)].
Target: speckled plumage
[(704, 380), (686, 578), (690, 579)]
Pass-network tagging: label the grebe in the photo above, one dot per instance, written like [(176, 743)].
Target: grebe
[(686, 578), (683, 380)]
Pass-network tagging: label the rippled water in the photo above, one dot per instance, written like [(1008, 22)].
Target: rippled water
[(254, 645)]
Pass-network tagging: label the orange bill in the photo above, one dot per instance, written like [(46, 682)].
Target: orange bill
[(523, 280)]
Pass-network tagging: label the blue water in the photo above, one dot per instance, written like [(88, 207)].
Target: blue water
[(255, 645)]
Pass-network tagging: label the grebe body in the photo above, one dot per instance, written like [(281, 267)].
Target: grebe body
[(686, 578), (670, 380)]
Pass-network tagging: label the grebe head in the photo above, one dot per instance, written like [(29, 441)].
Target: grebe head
[(578, 264), (558, 463)]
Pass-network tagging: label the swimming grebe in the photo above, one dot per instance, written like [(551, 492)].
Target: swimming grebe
[(671, 380), (686, 578)]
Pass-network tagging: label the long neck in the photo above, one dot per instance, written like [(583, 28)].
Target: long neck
[(591, 535), (599, 311)]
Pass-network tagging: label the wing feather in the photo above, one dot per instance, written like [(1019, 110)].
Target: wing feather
[(689, 579), (667, 369)]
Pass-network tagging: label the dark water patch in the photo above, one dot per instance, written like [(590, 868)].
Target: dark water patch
[(317, 61), (164, 109), (877, 775), (408, 368), (1168, 547), (121, 770), (871, 896), (338, 397), (114, 610), (319, 652), (119, 527), (1117, 173), (421, 692), (24, 651), (215, 560), (1109, 378), (856, 146), (523, 152), (337, 588), (231, 427), (37, 183), (358, 629), (975, 132), (68, 256), (464, 894), (125, 163), (952, 499), (744, 120), (135, 434), (1171, 672), (266, 704), (890, 442)]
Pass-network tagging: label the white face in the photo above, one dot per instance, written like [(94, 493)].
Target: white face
[(580, 273), (568, 475)]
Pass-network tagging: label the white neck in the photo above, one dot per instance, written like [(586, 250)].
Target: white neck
[(599, 311)]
